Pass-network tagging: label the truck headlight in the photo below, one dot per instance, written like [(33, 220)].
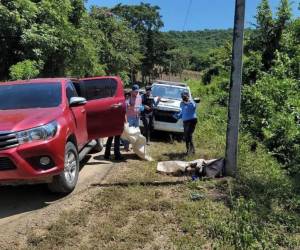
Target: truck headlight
[(44, 132)]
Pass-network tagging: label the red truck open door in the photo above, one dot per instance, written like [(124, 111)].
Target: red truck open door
[(105, 106)]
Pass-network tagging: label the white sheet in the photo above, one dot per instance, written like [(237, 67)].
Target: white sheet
[(137, 140)]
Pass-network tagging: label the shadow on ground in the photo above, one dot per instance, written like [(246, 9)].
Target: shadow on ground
[(24, 198), (19, 199), (127, 156), (162, 136)]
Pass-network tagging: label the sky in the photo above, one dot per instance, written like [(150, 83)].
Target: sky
[(202, 14)]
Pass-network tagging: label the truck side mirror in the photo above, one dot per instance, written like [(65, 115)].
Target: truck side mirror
[(197, 100), (77, 101)]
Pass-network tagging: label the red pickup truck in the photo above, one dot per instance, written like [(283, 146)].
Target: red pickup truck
[(46, 124)]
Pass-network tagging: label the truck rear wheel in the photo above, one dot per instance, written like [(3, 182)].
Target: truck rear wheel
[(66, 181)]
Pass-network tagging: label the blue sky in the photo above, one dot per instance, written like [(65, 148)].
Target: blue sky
[(203, 14)]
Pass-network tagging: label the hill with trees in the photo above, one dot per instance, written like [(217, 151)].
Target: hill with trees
[(200, 41)]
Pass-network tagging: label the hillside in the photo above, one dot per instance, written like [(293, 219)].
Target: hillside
[(200, 41)]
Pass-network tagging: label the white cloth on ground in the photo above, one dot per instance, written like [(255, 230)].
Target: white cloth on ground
[(173, 167)]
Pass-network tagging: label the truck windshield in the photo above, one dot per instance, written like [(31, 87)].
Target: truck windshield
[(30, 95), (167, 91)]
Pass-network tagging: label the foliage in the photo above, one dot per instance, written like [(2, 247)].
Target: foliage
[(199, 45), (24, 70), (146, 21), (270, 96), (270, 110), (70, 41), (219, 62), (270, 113), (118, 44)]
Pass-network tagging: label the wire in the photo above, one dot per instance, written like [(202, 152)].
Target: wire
[(187, 14)]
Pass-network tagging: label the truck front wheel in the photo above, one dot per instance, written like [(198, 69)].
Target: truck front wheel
[(66, 181)]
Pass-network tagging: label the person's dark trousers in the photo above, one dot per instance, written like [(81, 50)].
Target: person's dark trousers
[(148, 125), (189, 128), (116, 147)]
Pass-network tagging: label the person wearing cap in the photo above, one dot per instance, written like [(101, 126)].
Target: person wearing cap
[(189, 118), (147, 113), (134, 107)]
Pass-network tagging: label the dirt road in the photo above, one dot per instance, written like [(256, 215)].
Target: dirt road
[(24, 208)]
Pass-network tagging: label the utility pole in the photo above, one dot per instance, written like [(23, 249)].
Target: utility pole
[(235, 90)]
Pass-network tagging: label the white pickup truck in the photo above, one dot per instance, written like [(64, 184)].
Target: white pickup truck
[(170, 93)]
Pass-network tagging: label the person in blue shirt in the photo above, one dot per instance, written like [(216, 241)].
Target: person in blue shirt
[(189, 118)]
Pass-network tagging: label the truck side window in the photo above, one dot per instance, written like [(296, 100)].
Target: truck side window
[(100, 88), (71, 91)]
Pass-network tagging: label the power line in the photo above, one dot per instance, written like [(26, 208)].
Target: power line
[(187, 14)]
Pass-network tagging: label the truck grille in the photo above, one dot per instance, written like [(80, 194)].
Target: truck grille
[(8, 140), (6, 164), (165, 116)]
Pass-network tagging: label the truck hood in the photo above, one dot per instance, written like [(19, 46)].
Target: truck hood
[(169, 104), (22, 119)]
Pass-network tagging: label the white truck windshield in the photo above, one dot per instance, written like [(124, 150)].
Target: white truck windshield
[(169, 92)]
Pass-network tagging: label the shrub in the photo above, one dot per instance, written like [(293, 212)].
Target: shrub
[(24, 70), (270, 111)]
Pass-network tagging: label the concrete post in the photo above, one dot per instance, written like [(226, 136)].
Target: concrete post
[(235, 90)]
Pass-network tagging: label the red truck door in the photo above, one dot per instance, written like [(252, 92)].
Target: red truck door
[(78, 114), (105, 107)]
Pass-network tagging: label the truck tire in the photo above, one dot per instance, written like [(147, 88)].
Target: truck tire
[(66, 181)]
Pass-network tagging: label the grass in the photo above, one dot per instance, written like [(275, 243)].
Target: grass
[(258, 210)]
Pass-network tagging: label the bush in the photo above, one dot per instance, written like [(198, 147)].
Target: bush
[(270, 111), (24, 70)]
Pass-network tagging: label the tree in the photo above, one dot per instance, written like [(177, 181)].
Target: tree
[(263, 37), (15, 16), (118, 45), (283, 19), (269, 30), (142, 18), (146, 21)]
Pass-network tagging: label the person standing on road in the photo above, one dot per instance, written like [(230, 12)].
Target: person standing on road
[(189, 117), (127, 98), (117, 153), (117, 139), (134, 107), (147, 113)]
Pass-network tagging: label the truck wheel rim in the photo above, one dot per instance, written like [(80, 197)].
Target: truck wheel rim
[(70, 167)]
